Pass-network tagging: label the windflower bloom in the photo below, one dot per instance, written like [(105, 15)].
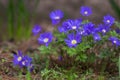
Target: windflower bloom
[(56, 16), (82, 32), (65, 27), (72, 40), (22, 61), (74, 24), (85, 11), (88, 28), (45, 38), (17, 58), (96, 37), (26, 61), (109, 20), (115, 40), (117, 31), (36, 29), (103, 28)]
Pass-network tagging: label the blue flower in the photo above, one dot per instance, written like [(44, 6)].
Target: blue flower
[(96, 37), (45, 38), (65, 27), (117, 31), (109, 20), (85, 10), (56, 16), (36, 29), (88, 28), (60, 58), (23, 61), (72, 40), (103, 28), (115, 40), (17, 58), (26, 61), (82, 32), (74, 24)]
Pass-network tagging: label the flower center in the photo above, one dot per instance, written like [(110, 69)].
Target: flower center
[(82, 32), (45, 40), (19, 58), (104, 30), (23, 63), (57, 17), (74, 27), (85, 12), (114, 41), (73, 41), (108, 21)]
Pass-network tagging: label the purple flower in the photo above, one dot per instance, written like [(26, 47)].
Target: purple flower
[(56, 16), (22, 61), (72, 40), (85, 10), (17, 58), (82, 32), (88, 28), (117, 31), (115, 40), (74, 24), (36, 29), (65, 27), (96, 37), (103, 28), (26, 61), (45, 38), (109, 20), (60, 58)]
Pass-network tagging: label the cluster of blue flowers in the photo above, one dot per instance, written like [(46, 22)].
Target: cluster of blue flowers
[(75, 29), (23, 61)]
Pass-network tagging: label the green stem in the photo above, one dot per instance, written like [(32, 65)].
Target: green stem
[(11, 19), (119, 65)]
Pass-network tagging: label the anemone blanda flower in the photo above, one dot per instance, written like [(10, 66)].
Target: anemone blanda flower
[(85, 10), (109, 20), (74, 24), (115, 40), (26, 61), (45, 38), (72, 40), (65, 27), (17, 58), (36, 29), (56, 16), (103, 28), (88, 28), (96, 37), (117, 31)]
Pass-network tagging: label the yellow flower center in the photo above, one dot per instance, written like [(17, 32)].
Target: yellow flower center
[(45, 40), (73, 41), (19, 58)]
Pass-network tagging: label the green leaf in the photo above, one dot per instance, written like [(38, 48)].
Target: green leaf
[(71, 51), (117, 24), (82, 57), (82, 47), (45, 50)]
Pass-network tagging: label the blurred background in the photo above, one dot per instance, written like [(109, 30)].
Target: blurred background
[(17, 17)]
